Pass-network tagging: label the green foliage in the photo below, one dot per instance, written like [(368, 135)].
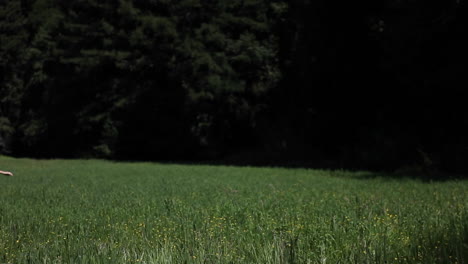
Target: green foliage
[(86, 69), (33, 131), (230, 56), (13, 38), (105, 212), (166, 79)]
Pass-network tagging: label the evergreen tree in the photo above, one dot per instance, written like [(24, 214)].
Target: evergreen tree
[(13, 43)]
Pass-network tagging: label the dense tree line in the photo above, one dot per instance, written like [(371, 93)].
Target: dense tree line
[(359, 85)]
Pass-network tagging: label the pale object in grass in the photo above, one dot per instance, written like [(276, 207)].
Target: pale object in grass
[(7, 173)]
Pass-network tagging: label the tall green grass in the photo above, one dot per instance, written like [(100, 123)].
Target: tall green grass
[(76, 211)]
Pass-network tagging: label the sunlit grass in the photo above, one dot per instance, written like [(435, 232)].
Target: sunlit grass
[(77, 211)]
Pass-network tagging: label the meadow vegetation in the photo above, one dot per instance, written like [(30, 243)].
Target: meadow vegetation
[(93, 211)]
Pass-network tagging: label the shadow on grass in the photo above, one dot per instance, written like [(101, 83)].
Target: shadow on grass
[(410, 173), (447, 247), (357, 172)]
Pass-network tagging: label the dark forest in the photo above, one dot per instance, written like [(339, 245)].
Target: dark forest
[(375, 85)]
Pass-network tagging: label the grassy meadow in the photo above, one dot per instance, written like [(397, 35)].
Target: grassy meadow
[(92, 211)]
